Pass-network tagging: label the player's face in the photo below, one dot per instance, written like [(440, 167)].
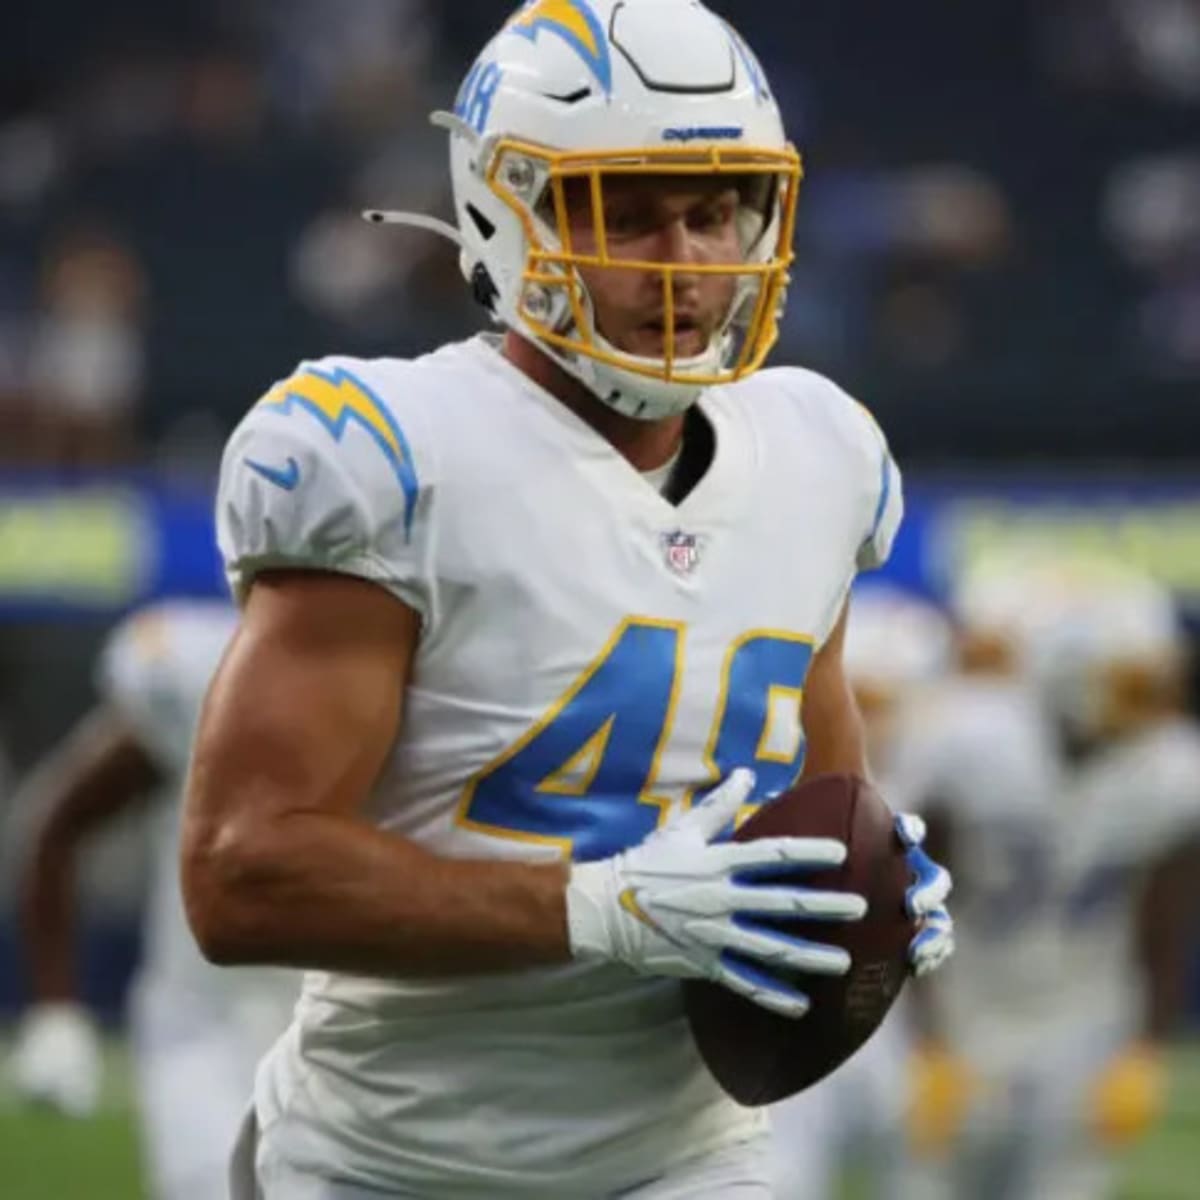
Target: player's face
[(659, 219), (1136, 692)]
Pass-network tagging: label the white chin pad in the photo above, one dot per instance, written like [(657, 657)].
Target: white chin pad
[(706, 362)]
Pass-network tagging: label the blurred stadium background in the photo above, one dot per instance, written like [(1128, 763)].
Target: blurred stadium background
[(999, 251)]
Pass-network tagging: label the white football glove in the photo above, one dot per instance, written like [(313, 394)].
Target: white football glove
[(926, 900), (56, 1059), (684, 903)]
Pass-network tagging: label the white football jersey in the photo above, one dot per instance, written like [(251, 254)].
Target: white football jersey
[(590, 656)]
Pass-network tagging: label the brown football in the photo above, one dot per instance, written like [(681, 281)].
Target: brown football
[(759, 1057)]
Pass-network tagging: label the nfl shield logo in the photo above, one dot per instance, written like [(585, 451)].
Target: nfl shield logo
[(681, 551)]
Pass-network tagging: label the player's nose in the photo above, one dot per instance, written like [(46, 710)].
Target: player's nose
[(677, 243), (678, 247)]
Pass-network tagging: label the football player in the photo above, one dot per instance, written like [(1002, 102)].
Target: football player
[(1064, 773), (196, 1032), (527, 621), (897, 647), (979, 760), (1111, 660)]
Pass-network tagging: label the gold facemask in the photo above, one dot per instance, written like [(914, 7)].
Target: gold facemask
[(532, 181)]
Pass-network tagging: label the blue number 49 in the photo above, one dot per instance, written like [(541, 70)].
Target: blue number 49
[(583, 777)]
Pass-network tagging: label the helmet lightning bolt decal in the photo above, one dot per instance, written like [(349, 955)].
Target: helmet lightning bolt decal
[(577, 25)]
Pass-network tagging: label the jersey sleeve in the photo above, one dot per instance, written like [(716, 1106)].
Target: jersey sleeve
[(873, 486), (885, 496), (324, 474)]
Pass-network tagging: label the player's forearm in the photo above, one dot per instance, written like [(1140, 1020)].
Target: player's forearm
[(833, 727), (327, 892), (834, 733), (98, 771), (1165, 948), (48, 926), (1166, 1002), (1166, 924)]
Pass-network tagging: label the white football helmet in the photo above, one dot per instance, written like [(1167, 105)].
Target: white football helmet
[(1100, 626), (594, 89), (895, 641), (1075, 619), (897, 645)]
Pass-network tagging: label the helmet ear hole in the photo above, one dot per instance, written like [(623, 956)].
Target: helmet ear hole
[(484, 288), (487, 229)]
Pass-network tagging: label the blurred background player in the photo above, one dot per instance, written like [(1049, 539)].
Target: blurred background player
[(897, 646), (1110, 660), (196, 1032), (1060, 763), (979, 759)]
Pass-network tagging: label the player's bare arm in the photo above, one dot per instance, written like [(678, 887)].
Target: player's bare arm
[(1167, 919), (100, 770), (833, 727), (279, 863)]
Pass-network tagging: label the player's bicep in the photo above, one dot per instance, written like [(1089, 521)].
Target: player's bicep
[(306, 704)]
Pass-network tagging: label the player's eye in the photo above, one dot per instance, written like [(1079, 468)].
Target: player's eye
[(627, 220), (713, 215)]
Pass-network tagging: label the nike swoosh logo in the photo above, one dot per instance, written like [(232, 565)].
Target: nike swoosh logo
[(629, 902), (285, 477)]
